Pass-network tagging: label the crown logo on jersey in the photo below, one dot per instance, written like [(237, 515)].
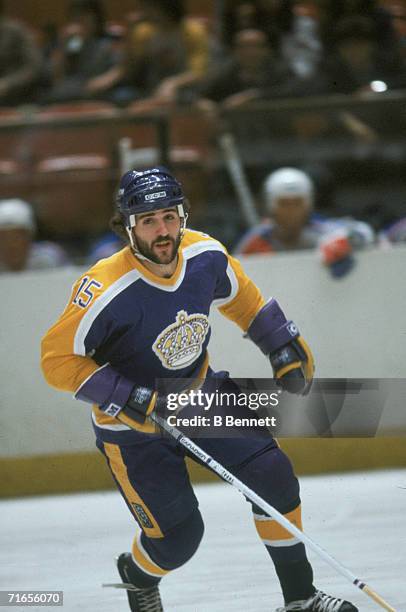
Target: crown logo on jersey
[(181, 343)]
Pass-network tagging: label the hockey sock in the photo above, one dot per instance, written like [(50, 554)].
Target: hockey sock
[(296, 579), (144, 572), (288, 554), (270, 475)]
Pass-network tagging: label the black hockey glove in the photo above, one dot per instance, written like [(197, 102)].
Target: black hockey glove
[(291, 358), (293, 367), (140, 404)]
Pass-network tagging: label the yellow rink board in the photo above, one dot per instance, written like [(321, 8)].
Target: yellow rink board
[(66, 473)]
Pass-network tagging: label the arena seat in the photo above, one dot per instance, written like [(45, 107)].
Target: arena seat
[(73, 194), (70, 129), (8, 167), (73, 162), (75, 109), (14, 180), (13, 149), (8, 113)]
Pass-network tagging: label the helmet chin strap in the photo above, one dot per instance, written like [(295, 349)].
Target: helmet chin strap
[(183, 219)]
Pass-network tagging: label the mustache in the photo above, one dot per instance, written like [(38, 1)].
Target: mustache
[(163, 239)]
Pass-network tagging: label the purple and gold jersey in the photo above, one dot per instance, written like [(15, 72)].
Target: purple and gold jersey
[(124, 326)]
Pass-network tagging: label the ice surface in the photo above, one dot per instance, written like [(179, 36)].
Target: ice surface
[(69, 542)]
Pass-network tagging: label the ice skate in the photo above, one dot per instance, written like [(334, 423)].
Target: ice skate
[(140, 599), (319, 602)]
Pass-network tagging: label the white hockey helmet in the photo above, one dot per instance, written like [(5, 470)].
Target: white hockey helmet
[(15, 213), (288, 182)]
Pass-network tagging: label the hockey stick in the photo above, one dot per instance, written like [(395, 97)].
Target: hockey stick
[(270, 510), (238, 178)]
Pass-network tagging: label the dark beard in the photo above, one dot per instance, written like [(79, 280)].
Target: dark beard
[(148, 252)]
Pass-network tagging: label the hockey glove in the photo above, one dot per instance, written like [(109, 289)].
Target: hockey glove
[(293, 367), (118, 397), (140, 404), (291, 358), (337, 255), (338, 247)]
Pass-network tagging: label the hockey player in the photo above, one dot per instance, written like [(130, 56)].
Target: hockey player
[(291, 224), (141, 316)]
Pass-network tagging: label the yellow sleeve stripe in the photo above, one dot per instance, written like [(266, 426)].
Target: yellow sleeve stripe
[(65, 367), (247, 301), (119, 470), (65, 372)]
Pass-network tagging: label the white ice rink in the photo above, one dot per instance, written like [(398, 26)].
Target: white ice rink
[(68, 543)]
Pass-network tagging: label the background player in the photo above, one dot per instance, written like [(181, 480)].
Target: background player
[(141, 316), (291, 224)]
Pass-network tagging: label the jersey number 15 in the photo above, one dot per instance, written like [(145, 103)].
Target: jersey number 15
[(84, 295)]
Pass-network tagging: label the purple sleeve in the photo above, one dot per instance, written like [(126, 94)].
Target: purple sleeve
[(270, 330), (107, 388)]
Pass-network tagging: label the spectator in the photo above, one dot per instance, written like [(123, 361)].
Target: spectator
[(358, 61), (84, 54), (291, 225), (18, 251), (252, 72), (272, 17), (167, 54), (20, 63), (301, 47), (397, 14), (338, 10)]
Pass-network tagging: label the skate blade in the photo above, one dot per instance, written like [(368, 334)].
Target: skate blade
[(121, 585)]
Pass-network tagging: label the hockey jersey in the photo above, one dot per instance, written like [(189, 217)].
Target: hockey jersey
[(125, 326), (264, 239)]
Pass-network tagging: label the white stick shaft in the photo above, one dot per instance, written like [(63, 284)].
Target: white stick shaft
[(261, 503), (240, 183)]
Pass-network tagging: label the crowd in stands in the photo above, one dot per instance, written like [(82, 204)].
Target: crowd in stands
[(267, 48), (159, 55)]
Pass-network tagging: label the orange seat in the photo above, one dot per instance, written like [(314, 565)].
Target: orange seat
[(73, 162), (74, 194), (8, 167), (10, 113), (13, 144), (15, 182), (69, 130), (75, 109)]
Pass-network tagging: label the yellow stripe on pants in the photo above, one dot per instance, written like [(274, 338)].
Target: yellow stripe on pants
[(140, 510)]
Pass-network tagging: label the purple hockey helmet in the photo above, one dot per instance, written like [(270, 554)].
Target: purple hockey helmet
[(147, 191)]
